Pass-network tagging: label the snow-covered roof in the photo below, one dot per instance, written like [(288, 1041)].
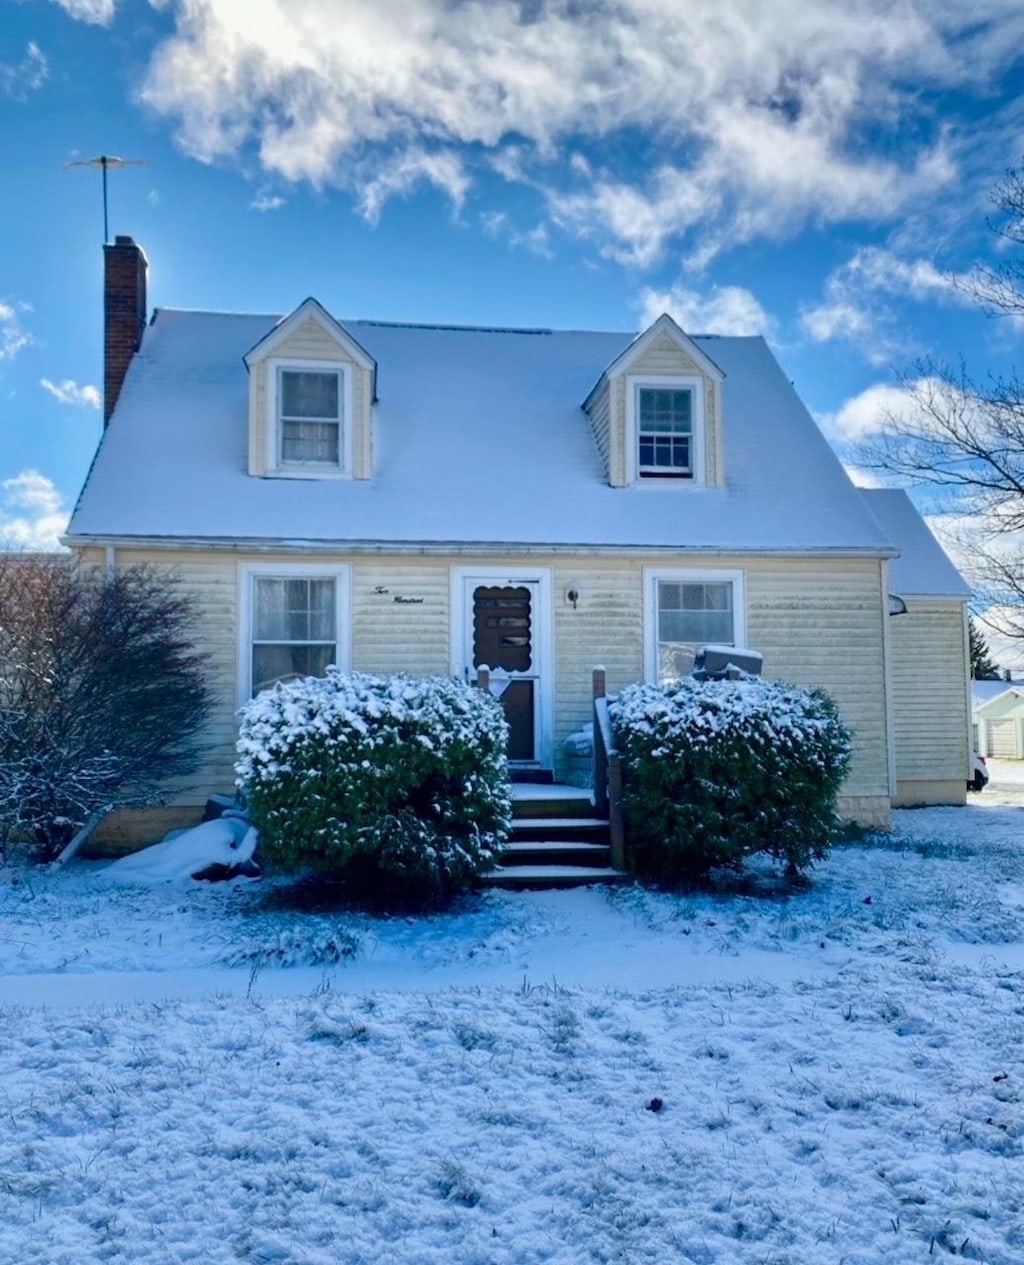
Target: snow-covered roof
[(983, 692), (922, 569), (479, 439)]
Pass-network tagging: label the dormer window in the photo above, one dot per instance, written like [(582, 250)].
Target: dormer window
[(665, 425), (665, 432), (310, 416)]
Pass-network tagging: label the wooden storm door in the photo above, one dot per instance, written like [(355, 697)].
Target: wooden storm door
[(502, 628)]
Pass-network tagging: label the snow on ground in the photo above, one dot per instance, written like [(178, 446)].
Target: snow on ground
[(839, 1072)]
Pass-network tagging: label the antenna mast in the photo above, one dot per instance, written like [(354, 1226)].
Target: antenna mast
[(105, 162)]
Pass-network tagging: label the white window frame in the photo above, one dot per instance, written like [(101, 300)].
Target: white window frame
[(346, 399), (653, 576), (248, 572), (635, 383)]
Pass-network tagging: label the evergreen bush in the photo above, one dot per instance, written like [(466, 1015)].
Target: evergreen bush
[(716, 771), (397, 785)]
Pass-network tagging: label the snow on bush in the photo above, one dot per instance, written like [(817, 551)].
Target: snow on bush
[(396, 784), (715, 771)]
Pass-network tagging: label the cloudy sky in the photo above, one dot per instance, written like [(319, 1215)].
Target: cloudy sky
[(814, 170)]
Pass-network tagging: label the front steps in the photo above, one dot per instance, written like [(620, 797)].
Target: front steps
[(556, 841)]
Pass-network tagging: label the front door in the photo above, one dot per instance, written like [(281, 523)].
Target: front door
[(502, 633)]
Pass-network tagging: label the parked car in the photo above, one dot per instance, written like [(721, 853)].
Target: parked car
[(979, 778)]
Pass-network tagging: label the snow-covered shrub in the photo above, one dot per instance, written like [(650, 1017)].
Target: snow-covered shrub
[(396, 784), (715, 771)]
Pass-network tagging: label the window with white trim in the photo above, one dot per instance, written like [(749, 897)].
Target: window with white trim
[(310, 416), (294, 624), (664, 432), (688, 610), (666, 428)]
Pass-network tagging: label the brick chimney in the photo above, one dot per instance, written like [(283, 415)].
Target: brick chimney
[(124, 314)]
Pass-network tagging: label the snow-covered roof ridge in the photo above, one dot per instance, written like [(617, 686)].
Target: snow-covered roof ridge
[(478, 436), (923, 568)]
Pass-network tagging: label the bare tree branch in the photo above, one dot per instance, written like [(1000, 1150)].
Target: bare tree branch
[(101, 692)]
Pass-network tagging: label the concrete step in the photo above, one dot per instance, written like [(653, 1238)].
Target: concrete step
[(580, 829), (555, 852), (539, 876)]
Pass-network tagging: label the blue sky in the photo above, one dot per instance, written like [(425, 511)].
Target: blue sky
[(816, 171)]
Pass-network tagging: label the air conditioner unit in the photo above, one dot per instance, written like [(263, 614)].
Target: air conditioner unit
[(718, 663)]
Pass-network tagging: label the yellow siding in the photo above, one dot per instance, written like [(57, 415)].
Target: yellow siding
[(617, 433), (605, 629), (600, 417), (411, 634), (311, 342), (815, 624), (666, 356), (929, 679), (822, 626)]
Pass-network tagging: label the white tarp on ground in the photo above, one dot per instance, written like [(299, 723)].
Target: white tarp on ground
[(228, 841)]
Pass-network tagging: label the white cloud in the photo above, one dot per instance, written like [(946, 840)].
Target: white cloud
[(266, 201), (413, 167), (69, 393), (722, 310), (536, 240), (18, 79), (868, 413), (758, 114), (853, 305), (96, 12), (13, 335), (32, 514)]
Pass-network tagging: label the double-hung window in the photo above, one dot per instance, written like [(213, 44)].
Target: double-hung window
[(688, 610), (310, 416), (665, 432), (294, 625), (666, 428)]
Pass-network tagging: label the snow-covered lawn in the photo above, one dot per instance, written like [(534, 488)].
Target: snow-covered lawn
[(838, 1075)]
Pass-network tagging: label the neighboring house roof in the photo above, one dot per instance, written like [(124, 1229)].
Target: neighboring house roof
[(985, 692), (479, 438), (923, 568)]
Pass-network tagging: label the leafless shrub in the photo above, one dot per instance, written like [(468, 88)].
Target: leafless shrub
[(102, 695)]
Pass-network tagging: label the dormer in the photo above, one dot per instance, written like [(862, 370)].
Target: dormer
[(311, 394), (656, 412)]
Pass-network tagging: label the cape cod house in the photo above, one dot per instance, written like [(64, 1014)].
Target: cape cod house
[(429, 499)]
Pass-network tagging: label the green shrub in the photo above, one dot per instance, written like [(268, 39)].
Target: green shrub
[(394, 784), (715, 771)]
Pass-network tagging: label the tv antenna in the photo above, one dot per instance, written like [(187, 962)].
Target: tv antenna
[(105, 162)]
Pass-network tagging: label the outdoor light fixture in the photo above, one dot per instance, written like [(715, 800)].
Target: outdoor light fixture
[(897, 606), (572, 593)]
